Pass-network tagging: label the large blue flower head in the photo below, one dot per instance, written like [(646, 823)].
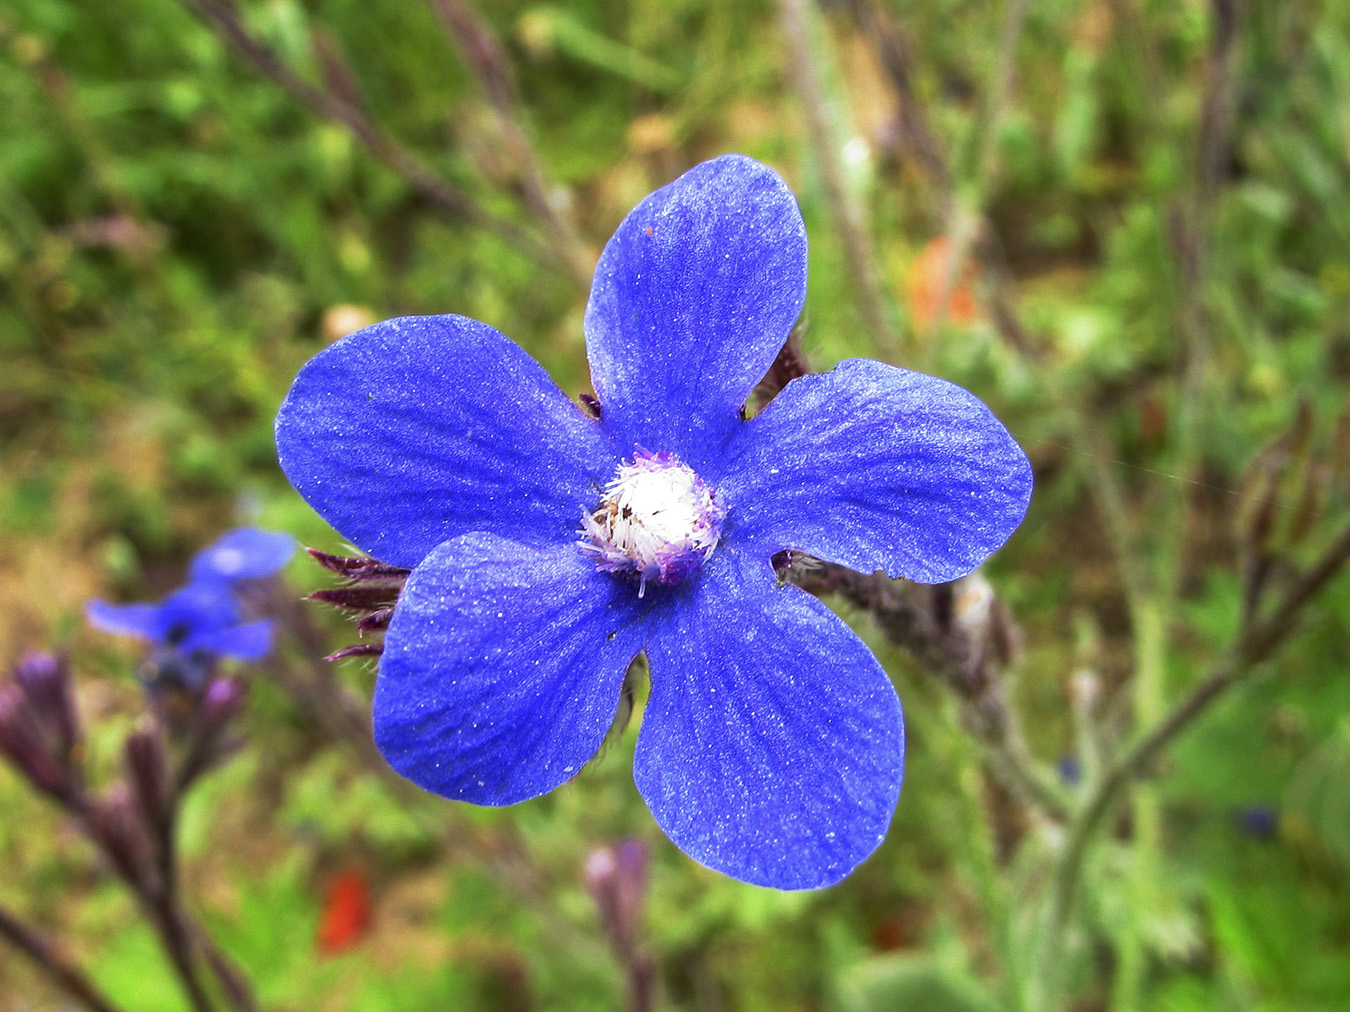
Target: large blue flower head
[(549, 547), (203, 621)]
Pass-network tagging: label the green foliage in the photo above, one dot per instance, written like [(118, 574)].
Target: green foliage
[(177, 235)]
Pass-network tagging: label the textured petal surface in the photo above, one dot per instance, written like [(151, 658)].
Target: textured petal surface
[(875, 467), (693, 297), (124, 619), (249, 553), (417, 430), (502, 668), (772, 745)]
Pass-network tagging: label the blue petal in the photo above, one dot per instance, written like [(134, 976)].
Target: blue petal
[(246, 554), (417, 430), (875, 467), (251, 641), (197, 609), (502, 668), (772, 746), (141, 620), (694, 296)]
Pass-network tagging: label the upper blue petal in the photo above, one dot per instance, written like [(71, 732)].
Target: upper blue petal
[(248, 553), (416, 430), (875, 467), (772, 746), (693, 297), (502, 668)]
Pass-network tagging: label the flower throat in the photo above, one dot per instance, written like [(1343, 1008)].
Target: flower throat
[(658, 521)]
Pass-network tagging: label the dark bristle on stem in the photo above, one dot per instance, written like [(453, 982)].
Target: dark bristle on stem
[(371, 595)]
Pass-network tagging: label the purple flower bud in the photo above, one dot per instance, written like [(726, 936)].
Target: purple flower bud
[(220, 704), (617, 879), (224, 699), (23, 741), (45, 680), (115, 826)]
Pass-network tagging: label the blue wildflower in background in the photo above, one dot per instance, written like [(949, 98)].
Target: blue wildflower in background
[(549, 547), (203, 621)]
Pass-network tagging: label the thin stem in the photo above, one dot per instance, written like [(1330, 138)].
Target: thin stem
[(48, 958), (980, 855), (188, 936), (489, 64), (858, 251), (452, 202), (178, 945), (1190, 231), (977, 174), (640, 973), (157, 889), (894, 54), (1256, 645), (985, 149), (319, 693), (150, 892)]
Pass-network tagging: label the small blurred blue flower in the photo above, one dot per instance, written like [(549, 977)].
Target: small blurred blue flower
[(1070, 772), (1260, 821), (549, 546), (201, 622)]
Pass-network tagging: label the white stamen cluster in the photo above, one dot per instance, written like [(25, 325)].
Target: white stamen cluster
[(658, 521)]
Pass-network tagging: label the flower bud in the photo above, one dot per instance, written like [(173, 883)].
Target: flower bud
[(617, 879), (45, 680), (223, 700), (220, 704), (115, 826), (23, 741)]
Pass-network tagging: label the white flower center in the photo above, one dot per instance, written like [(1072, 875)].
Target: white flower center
[(658, 521)]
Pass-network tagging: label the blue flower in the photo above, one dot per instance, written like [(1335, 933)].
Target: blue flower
[(549, 547), (203, 621)]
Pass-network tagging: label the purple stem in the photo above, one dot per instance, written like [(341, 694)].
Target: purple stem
[(48, 958)]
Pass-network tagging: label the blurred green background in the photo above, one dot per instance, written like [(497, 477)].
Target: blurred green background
[(1149, 208)]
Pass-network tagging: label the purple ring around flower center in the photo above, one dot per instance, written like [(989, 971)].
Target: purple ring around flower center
[(658, 521)]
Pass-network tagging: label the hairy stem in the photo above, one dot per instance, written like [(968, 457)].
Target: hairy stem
[(966, 668)]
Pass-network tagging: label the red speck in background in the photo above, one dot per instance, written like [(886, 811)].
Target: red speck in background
[(899, 930), (928, 277), (346, 912)]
